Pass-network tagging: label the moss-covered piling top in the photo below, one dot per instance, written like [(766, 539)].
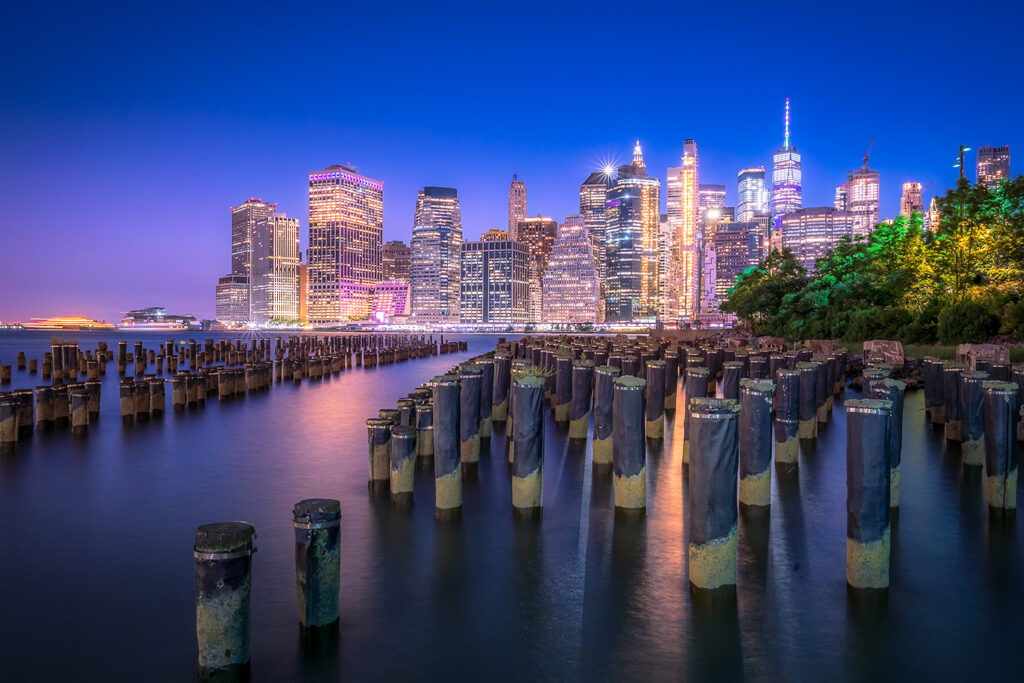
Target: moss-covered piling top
[(444, 381), (317, 508), (714, 407), (697, 370), (224, 537), (584, 363), (630, 382), (531, 381), (608, 370), (999, 387), (403, 432), (761, 386)]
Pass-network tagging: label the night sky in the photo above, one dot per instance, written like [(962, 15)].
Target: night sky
[(128, 132)]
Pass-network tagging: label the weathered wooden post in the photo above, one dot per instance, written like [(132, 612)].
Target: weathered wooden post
[(972, 417), (604, 395), (671, 380), (127, 389), (892, 390), (61, 406), (425, 432), (654, 425), (8, 421), (714, 462), (317, 523), (79, 411), (579, 410), (697, 378), (223, 561), (486, 366), (950, 377), (787, 417), (94, 388), (563, 388), (755, 436), (447, 458), (1001, 444), (403, 464), (629, 452), (470, 378), (44, 408), (732, 372), (867, 493), (379, 435), (808, 400), (528, 436), (502, 384)]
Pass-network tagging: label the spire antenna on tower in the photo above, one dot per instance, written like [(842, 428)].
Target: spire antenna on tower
[(786, 142)]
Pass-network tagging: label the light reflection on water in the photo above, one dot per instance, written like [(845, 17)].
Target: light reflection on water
[(96, 566)]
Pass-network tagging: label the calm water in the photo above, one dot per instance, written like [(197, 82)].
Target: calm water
[(96, 568)]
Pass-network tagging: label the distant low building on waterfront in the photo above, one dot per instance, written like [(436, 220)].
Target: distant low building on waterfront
[(157, 317), (66, 323)]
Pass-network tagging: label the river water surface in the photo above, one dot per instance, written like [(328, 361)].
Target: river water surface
[(96, 568)]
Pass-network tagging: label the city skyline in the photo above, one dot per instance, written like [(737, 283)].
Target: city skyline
[(180, 133)]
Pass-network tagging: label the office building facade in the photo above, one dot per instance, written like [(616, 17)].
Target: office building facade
[(436, 256), (494, 282)]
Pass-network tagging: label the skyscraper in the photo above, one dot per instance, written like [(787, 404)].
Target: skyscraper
[(709, 197), (516, 204), (493, 283), (244, 218), (787, 178), (862, 198), (839, 199), (752, 197), (233, 299), (934, 216), (593, 195), (631, 242), (274, 283), (538, 236), (813, 232), (436, 256), (346, 224), (993, 165), (396, 261), (571, 291), (685, 273), (736, 247), (911, 200)]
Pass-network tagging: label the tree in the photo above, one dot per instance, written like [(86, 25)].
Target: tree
[(962, 249), (758, 293)]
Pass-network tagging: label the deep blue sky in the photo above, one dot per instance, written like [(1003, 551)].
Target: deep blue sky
[(127, 132)]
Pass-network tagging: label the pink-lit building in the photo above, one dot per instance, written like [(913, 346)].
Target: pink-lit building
[(391, 301)]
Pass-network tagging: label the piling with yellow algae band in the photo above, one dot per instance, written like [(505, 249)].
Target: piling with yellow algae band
[(732, 372), (1001, 444), (1018, 377), (696, 387), (654, 425), (563, 388), (403, 464), (931, 372), (317, 523), (470, 377), (787, 417), (950, 376), (8, 421), (223, 564), (755, 436), (604, 397), (79, 411), (579, 408), (447, 459), (972, 417), (867, 493), (528, 437), (44, 408), (892, 390), (378, 431), (502, 386), (486, 366), (629, 451), (671, 379), (425, 431), (808, 400), (714, 462)]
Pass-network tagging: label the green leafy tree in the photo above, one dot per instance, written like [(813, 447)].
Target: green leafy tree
[(759, 291)]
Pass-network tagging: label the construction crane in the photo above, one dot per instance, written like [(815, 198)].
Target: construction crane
[(868, 153)]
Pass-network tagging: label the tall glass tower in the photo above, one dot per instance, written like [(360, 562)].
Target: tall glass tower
[(436, 251), (787, 179), (752, 197)]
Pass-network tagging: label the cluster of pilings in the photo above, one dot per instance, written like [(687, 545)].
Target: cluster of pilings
[(980, 409), (221, 369)]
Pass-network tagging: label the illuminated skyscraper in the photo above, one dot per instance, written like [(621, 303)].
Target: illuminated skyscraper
[(752, 197), (787, 178), (571, 291), (436, 256), (813, 232), (233, 299), (911, 200), (709, 197), (736, 248), (493, 284), (685, 273), (538, 236), (993, 165), (593, 195), (862, 199), (516, 204), (396, 261), (839, 200), (666, 247), (274, 283), (495, 235), (934, 216), (346, 224), (631, 243), (244, 218)]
